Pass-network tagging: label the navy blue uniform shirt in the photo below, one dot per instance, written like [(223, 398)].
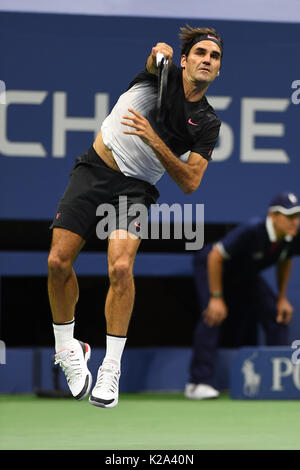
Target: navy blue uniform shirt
[(253, 247)]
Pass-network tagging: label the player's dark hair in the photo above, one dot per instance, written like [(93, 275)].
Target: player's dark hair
[(189, 34)]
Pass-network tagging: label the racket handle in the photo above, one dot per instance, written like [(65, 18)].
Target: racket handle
[(159, 57)]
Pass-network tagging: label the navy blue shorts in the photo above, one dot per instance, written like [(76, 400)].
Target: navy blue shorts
[(100, 199)]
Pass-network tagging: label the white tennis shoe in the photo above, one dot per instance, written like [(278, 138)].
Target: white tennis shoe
[(106, 391), (74, 366), (200, 391)]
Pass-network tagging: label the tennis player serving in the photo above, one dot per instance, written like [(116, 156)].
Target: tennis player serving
[(130, 154)]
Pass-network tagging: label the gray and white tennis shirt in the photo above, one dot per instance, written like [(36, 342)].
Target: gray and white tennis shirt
[(133, 156)]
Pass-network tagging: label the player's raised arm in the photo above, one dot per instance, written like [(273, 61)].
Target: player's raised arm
[(164, 49)]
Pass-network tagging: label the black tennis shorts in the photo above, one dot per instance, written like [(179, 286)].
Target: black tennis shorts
[(100, 199)]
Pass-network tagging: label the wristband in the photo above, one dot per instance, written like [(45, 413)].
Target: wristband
[(216, 295)]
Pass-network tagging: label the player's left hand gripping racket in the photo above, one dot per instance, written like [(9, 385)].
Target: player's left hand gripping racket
[(162, 65)]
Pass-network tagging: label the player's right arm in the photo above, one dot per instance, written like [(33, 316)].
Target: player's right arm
[(216, 310), (164, 49)]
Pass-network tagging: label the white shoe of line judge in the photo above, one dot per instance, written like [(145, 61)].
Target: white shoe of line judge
[(200, 391)]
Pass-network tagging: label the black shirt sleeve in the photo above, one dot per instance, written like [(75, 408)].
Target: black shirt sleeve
[(207, 140)]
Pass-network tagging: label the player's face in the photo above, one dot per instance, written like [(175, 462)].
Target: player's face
[(203, 62), (286, 224)]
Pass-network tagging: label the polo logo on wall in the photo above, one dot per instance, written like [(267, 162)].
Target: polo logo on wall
[(265, 373), (251, 378)]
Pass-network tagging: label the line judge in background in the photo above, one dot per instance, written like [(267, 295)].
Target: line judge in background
[(232, 295)]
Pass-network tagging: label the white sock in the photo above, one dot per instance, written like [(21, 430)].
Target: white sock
[(64, 336), (114, 349)]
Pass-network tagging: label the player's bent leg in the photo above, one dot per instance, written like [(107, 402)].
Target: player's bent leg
[(71, 355), (118, 309), (62, 282), (120, 297)]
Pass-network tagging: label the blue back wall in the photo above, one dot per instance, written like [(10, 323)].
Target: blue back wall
[(78, 60)]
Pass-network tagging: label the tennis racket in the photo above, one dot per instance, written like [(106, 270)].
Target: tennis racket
[(162, 65)]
